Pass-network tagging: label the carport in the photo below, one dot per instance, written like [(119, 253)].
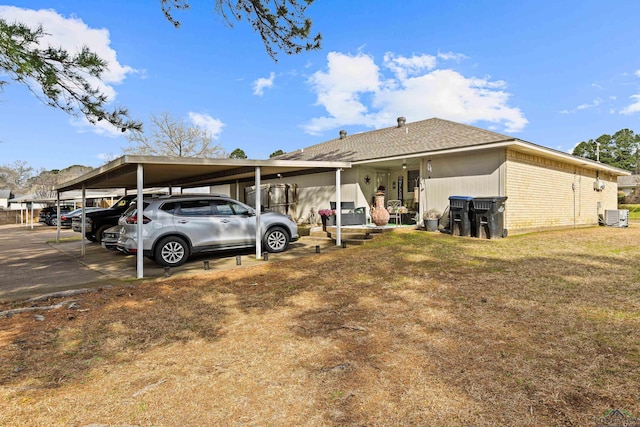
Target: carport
[(139, 172)]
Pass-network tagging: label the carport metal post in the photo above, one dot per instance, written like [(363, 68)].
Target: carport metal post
[(83, 222), (59, 219), (258, 208), (140, 207), (338, 208)]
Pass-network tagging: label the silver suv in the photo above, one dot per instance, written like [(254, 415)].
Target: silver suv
[(174, 227)]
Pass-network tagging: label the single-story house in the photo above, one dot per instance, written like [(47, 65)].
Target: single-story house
[(5, 195), (630, 186), (423, 163)]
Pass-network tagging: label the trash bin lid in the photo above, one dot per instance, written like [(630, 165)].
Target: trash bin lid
[(491, 199), (467, 198)]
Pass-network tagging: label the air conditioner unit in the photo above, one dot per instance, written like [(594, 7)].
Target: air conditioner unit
[(616, 218)]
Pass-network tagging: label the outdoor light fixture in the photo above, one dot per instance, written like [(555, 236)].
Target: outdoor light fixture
[(404, 166)]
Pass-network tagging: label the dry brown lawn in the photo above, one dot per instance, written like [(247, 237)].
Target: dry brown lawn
[(413, 329)]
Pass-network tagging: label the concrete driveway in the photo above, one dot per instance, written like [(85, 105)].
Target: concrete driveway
[(32, 264)]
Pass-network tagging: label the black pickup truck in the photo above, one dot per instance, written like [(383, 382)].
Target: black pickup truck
[(99, 220)]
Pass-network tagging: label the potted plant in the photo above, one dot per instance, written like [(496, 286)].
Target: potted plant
[(431, 219), (325, 214)]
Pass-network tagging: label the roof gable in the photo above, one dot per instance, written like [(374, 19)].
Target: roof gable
[(405, 139)]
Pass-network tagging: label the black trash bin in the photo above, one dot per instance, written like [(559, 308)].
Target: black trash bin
[(487, 217), (459, 219)]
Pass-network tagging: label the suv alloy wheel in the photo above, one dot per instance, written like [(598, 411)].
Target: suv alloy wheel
[(171, 251)]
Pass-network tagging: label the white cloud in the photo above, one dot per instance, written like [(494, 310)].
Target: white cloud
[(211, 124), (451, 56), (632, 108), (354, 91), (102, 127), (263, 83), (593, 104), (402, 66), (637, 73)]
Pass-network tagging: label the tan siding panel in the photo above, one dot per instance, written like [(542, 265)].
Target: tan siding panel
[(477, 175)]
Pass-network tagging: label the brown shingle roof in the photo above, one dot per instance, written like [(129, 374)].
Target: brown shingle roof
[(417, 137), (629, 181)]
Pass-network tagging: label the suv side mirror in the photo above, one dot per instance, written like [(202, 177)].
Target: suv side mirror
[(250, 212)]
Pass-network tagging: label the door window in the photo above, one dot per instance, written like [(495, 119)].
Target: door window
[(226, 207), (195, 208)]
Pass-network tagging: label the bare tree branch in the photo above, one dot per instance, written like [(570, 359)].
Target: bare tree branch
[(168, 136)]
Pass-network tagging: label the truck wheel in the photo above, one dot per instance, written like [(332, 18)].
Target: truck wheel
[(100, 231), (90, 237)]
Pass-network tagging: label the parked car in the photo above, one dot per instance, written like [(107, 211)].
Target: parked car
[(110, 237), (98, 221), (49, 214), (67, 218), (175, 227)]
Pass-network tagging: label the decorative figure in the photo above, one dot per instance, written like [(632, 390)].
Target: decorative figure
[(379, 214), (313, 216)]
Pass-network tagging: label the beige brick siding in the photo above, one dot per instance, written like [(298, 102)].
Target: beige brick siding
[(541, 193)]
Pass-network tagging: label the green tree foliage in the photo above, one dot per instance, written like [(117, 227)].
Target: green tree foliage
[(238, 153), (276, 153), (57, 77), (168, 136), (281, 24), (619, 150)]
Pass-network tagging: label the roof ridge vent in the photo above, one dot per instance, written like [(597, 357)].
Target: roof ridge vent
[(343, 134), (402, 121)]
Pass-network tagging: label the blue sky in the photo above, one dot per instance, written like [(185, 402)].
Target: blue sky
[(551, 73)]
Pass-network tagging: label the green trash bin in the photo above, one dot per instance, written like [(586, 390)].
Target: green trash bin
[(487, 217)]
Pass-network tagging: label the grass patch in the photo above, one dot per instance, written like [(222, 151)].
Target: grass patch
[(66, 239), (634, 211), (414, 328)]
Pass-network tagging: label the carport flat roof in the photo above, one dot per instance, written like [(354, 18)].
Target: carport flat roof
[(191, 172)]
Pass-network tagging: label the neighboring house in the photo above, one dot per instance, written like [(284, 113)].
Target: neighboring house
[(423, 163), (630, 186), (5, 195)]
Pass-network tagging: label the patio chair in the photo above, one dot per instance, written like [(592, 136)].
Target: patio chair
[(393, 206)]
